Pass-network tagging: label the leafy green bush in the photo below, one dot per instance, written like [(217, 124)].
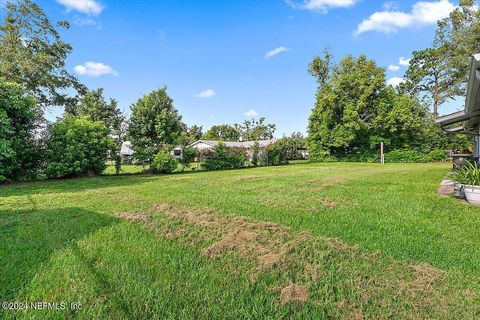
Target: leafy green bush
[(437, 155), (222, 158), (275, 154), (163, 162), (20, 155), (188, 156), (405, 156), (77, 147), (255, 154), (361, 156)]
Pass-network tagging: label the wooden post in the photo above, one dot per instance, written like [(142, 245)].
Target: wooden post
[(382, 156)]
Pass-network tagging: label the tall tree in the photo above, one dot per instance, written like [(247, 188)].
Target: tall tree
[(401, 121), (458, 36), (154, 124), (252, 130), (222, 132), (193, 134), (320, 67), (93, 106), (429, 75), (345, 106), (355, 110), (33, 54)]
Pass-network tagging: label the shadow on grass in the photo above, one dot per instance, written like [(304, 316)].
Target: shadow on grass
[(72, 185), (29, 238)]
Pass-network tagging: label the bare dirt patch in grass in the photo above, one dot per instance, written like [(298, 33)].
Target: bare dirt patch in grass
[(328, 203), (162, 207), (245, 178), (426, 275), (319, 184), (294, 293), (293, 258), (445, 191), (175, 233), (251, 239), (134, 216), (327, 181)]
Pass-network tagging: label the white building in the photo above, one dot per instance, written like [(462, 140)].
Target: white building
[(126, 150), (203, 145), (210, 144)]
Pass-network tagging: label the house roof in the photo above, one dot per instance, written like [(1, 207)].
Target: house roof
[(241, 144)]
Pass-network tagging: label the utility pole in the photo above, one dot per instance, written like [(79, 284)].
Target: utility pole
[(382, 155)]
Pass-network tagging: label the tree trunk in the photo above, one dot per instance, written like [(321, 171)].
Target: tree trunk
[(435, 99)]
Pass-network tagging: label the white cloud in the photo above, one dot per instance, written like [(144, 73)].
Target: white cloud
[(86, 22), (251, 113), (423, 13), (94, 69), (206, 94), (321, 5), (91, 7), (395, 81), (403, 61), (393, 67), (390, 6), (274, 52)]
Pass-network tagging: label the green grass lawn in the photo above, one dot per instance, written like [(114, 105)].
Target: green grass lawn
[(331, 241)]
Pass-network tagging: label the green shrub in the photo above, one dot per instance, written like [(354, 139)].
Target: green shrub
[(188, 156), (274, 155), (77, 147), (163, 162), (255, 154), (20, 154), (405, 156), (437, 155), (368, 155), (222, 158), (361, 156)]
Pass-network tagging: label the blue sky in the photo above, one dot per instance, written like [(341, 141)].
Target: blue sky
[(225, 61)]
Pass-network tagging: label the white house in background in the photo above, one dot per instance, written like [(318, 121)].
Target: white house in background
[(210, 144), (126, 150), (177, 152), (203, 145)]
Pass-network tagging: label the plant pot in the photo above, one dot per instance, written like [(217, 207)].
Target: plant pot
[(472, 193)]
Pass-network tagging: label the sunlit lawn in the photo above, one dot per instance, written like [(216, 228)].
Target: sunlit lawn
[(196, 245)]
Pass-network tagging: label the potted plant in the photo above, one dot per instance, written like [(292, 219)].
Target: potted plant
[(469, 176)]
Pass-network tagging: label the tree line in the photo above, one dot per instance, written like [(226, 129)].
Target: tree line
[(92, 128), (355, 110)]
